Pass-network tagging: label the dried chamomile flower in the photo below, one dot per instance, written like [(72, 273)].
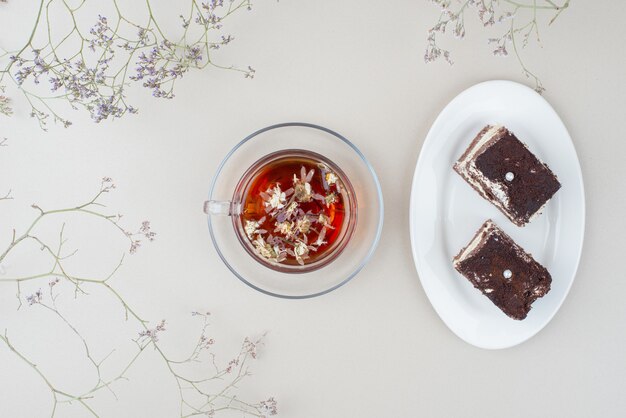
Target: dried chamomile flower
[(301, 251), (330, 199), (324, 220), (265, 250), (291, 208), (302, 187), (252, 227), (303, 225), (276, 199), (331, 178), (286, 228)]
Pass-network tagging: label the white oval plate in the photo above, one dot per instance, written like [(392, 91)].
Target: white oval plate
[(445, 211)]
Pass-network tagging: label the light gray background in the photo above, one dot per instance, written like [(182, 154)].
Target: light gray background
[(374, 348)]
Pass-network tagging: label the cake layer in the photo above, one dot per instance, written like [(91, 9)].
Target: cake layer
[(504, 171), (503, 271)]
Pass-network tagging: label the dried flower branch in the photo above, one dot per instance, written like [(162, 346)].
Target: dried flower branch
[(197, 395), (109, 56), (7, 196), (519, 19), (5, 103)]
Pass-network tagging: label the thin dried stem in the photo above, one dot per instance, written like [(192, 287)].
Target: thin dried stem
[(190, 389), (523, 24), (100, 65)]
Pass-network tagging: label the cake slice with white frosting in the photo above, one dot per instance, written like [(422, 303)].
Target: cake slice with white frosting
[(503, 271), (504, 171)]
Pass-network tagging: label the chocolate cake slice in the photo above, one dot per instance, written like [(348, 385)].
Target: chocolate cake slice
[(503, 271), (502, 169)]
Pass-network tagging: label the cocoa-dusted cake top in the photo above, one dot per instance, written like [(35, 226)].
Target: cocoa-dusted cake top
[(503, 271), (504, 171)]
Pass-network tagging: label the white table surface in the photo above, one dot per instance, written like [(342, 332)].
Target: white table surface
[(375, 347)]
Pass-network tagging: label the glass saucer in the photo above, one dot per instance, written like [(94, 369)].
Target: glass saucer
[(336, 148)]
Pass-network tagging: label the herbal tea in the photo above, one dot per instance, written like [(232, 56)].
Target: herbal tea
[(297, 209)]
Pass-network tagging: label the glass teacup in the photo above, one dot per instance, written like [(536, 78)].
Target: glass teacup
[(293, 210), (296, 184)]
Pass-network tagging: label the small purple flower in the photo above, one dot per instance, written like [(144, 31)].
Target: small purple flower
[(145, 230), (97, 83), (153, 334), (101, 35), (270, 406), (34, 298)]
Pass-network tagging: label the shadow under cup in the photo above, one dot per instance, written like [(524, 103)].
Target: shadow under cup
[(350, 249)]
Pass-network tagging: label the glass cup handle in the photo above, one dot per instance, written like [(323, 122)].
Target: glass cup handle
[(222, 208)]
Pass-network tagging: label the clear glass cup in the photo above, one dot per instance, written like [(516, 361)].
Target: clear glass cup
[(234, 209), (349, 253)]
